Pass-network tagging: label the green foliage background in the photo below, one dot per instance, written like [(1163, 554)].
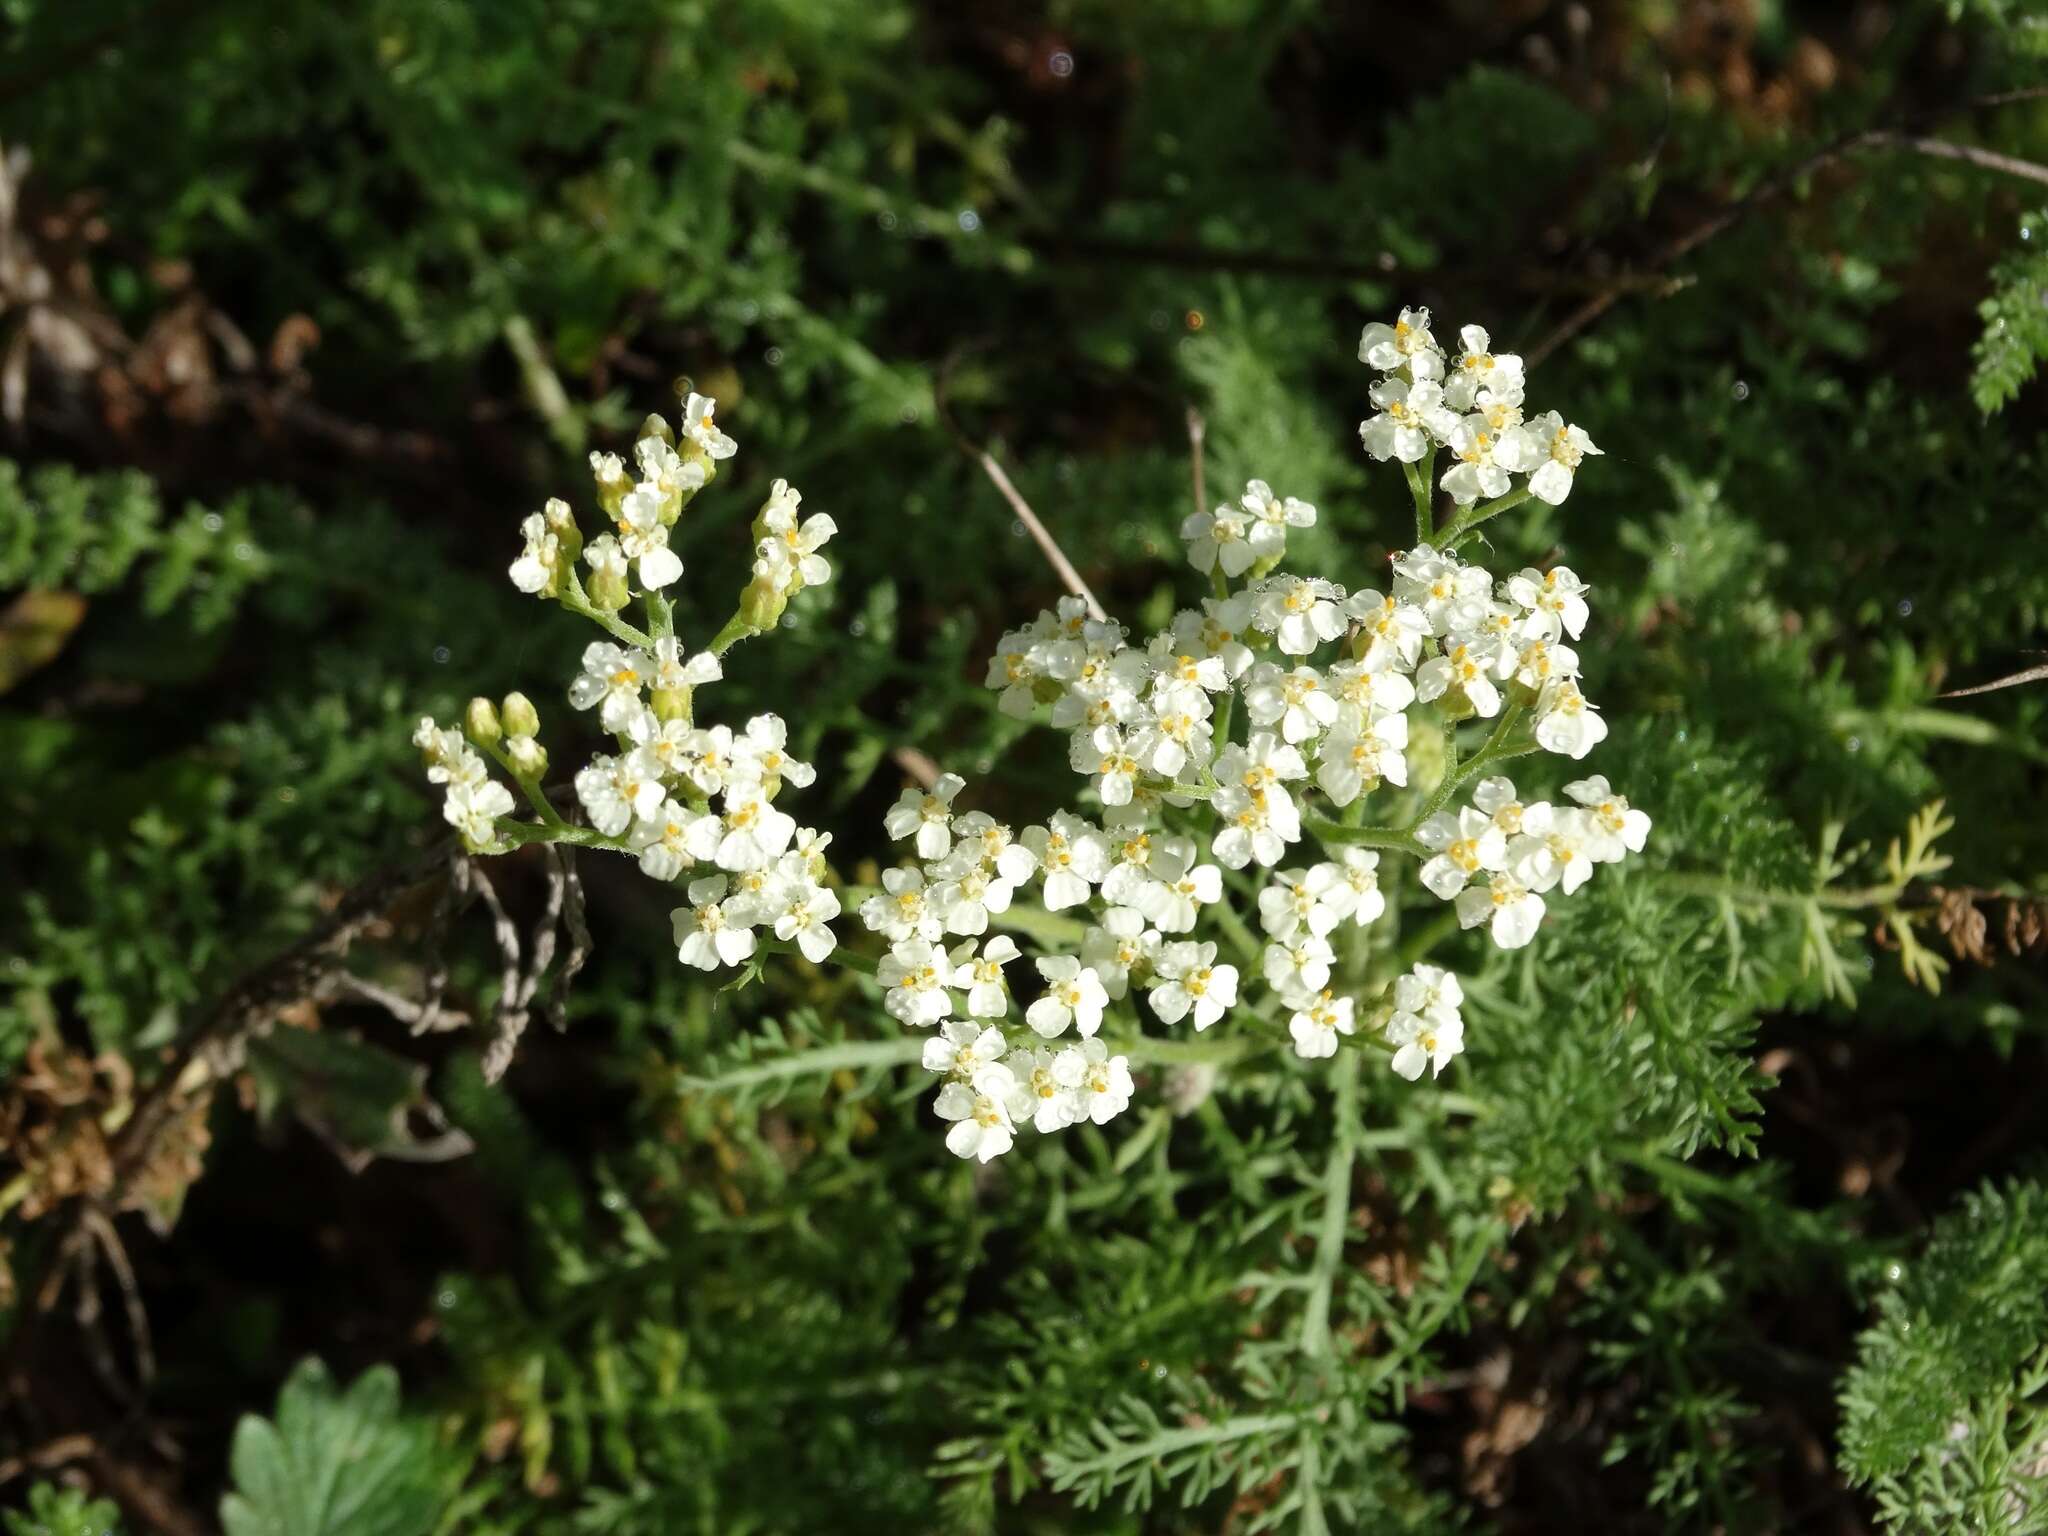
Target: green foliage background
[(1721, 1224)]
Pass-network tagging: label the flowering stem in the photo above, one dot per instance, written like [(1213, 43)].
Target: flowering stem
[(520, 833), (1315, 1321), (1721, 888), (661, 616), (1418, 487), (1327, 832), (611, 623), (1455, 530), (736, 629)]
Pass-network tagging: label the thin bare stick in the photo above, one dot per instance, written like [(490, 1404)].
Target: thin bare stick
[(2030, 675), (1691, 240), (1198, 430), (1061, 565), (47, 1458), (1942, 149)]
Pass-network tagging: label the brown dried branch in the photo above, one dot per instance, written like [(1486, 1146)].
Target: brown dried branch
[(2030, 675), (1048, 546)]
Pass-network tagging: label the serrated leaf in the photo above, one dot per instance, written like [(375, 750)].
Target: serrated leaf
[(337, 1463)]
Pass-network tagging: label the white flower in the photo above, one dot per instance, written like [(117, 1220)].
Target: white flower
[(1317, 1023), (758, 758), (805, 918), (915, 973), (616, 794), (1364, 694), (1551, 851), (1175, 736), (1361, 869), (754, 831), (1272, 517), (1053, 1105), (1425, 1027), (1496, 797), (1556, 600), (1294, 700), (981, 978), (962, 1048), (1465, 844), (1073, 855), (1317, 899), (612, 678), (1451, 594), (1172, 904), (1255, 824), (1394, 630), (1561, 448), (1461, 669), (927, 813), (1539, 663), (712, 931), (1300, 612), (1104, 754), (1406, 343), (980, 837), (1412, 420), (980, 1112), (663, 840), (1511, 911), (1302, 965), (473, 809), (539, 566), (1424, 1041), (1219, 538), (788, 549), (1189, 981), (643, 538), (1073, 995), (701, 430), (1613, 828), (1566, 723), (1485, 458), (1101, 1082), (608, 569), (1121, 944), (967, 891), (901, 909), (1474, 368), (1351, 763)]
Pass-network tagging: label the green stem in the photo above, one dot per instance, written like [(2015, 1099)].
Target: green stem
[(1458, 527), (1418, 486), (611, 623), (1721, 888), (1315, 1320), (1328, 833), (736, 629), (521, 833)]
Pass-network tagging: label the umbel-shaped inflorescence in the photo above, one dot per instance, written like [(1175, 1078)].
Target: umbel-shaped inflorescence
[(691, 801), (1229, 761)]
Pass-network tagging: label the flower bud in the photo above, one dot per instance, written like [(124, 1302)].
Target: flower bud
[(562, 524), (481, 722), (612, 481), (519, 716), (654, 426), (528, 757), (608, 590), (670, 703), (762, 603)]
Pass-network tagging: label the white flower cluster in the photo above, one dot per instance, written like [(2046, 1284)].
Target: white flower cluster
[(1470, 403), (1517, 853), (686, 799), (1320, 685)]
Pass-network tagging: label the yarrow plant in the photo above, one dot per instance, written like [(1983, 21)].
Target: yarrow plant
[(1218, 861)]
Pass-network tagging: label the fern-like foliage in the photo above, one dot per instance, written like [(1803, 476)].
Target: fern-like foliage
[(1945, 1413)]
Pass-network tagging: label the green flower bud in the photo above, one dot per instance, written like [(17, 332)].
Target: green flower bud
[(612, 481), (562, 524), (528, 757), (481, 722), (670, 703), (762, 603), (519, 716), (654, 426)]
